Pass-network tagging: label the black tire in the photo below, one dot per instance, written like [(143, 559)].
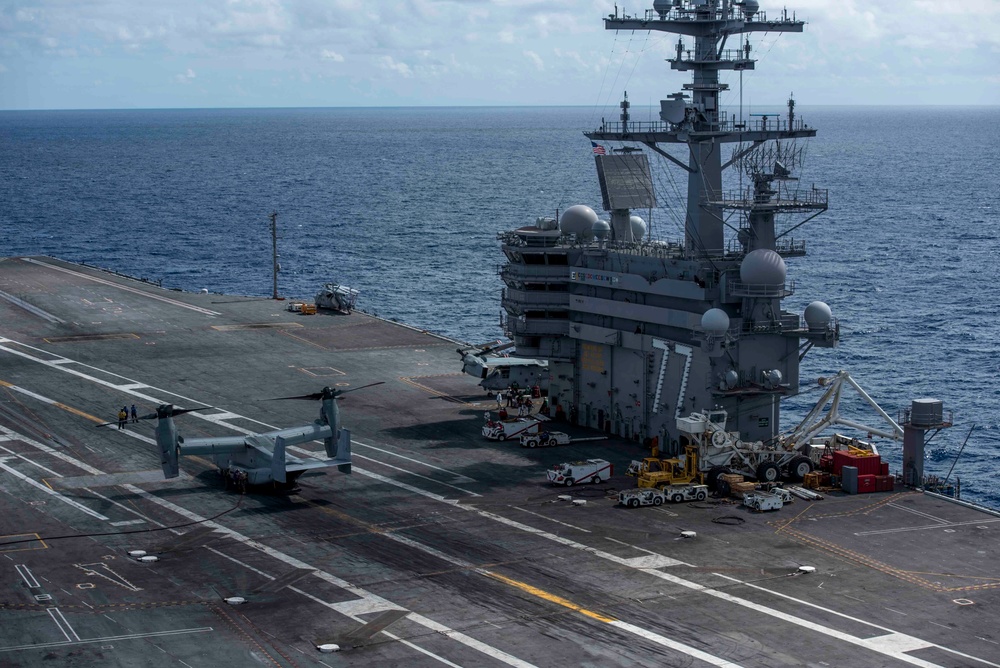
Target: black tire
[(596, 480), (676, 498), (768, 472), (723, 488), (657, 500), (701, 496), (502, 437), (799, 467), (553, 442), (712, 477), (633, 503), (532, 443), (569, 482)]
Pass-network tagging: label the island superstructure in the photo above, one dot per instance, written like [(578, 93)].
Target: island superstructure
[(639, 332)]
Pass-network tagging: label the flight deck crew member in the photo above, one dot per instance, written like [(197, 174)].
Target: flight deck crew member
[(122, 417), (135, 415)]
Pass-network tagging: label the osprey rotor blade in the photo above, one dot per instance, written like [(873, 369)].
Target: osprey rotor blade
[(339, 392), (314, 395)]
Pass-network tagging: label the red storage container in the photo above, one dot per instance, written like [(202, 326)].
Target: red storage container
[(826, 463), (885, 483), (885, 468), (866, 484), (841, 458), (866, 464)]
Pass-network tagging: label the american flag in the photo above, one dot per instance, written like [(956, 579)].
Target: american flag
[(598, 149)]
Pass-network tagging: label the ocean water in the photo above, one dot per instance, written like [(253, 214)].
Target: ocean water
[(405, 204)]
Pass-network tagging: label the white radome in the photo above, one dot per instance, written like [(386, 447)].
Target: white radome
[(763, 267), (818, 315), (638, 227), (578, 219), (715, 321)]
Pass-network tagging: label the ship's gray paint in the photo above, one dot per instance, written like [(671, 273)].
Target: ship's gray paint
[(619, 319)]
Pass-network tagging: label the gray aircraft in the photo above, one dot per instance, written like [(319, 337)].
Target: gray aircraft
[(259, 459)]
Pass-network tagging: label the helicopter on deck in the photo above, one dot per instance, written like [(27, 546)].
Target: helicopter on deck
[(259, 459)]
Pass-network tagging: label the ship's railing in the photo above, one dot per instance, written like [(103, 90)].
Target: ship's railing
[(726, 123), (741, 289), (512, 238), (783, 247), (662, 249), (690, 56), (905, 417), (702, 12), (783, 197), (785, 323)]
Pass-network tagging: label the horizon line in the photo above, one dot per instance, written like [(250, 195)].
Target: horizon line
[(476, 106)]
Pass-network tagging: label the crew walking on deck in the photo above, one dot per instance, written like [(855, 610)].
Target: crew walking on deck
[(122, 417)]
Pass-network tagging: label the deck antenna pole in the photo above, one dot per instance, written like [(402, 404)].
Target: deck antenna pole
[(274, 252), (960, 450)]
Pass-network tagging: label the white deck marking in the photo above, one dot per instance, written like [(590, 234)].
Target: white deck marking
[(551, 520), (917, 512), (126, 288), (880, 648), (58, 617), (416, 475), (130, 636), (49, 491), (61, 629), (31, 308), (30, 461), (459, 478), (896, 637), (371, 602), (673, 644), (27, 576), (324, 603), (323, 575), (924, 527)]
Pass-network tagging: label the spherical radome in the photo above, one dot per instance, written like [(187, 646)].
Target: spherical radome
[(763, 267), (638, 227), (662, 7), (818, 315), (601, 229), (715, 321), (578, 219)]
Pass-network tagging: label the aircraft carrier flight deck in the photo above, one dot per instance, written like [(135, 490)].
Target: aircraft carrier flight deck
[(439, 549)]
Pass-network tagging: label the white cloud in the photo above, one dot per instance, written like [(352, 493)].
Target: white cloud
[(483, 52), (388, 63)]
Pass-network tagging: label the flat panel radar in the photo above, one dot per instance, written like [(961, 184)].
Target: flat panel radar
[(626, 182)]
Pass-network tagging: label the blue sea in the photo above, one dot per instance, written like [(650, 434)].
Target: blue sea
[(404, 204)]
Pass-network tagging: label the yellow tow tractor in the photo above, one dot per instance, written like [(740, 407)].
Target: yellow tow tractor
[(672, 471)]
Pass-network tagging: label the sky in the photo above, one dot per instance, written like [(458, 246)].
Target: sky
[(122, 54)]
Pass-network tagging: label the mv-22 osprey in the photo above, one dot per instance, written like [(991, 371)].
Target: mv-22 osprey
[(258, 459)]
